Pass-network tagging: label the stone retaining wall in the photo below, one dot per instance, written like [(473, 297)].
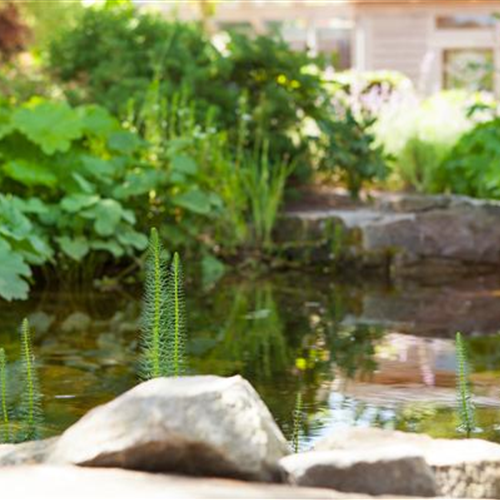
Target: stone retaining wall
[(399, 235)]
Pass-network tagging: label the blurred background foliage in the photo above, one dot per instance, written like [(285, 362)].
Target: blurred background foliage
[(114, 119)]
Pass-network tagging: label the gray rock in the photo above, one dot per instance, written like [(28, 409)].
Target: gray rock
[(395, 470), (61, 483), (205, 425), (32, 452), (463, 468)]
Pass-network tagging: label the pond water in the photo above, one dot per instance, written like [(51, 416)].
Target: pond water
[(367, 353)]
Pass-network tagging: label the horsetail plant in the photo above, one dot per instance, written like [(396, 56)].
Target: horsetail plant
[(153, 321), (3, 398), (464, 396), (176, 319), (30, 410), (297, 422)]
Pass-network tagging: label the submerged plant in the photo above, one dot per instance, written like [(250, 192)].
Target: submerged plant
[(176, 319), (3, 398), (297, 422), (153, 322), (30, 410), (465, 404)]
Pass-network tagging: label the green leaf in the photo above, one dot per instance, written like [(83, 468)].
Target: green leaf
[(184, 164), (76, 248), (131, 238), (30, 206), (29, 174), (13, 274), (98, 121), (50, 125), (139, 182), (108, 246), (83, 183), (5, 122), (76, 202), (98, 168), (193, 200), (107, 214), (124, 142), (212, 270)]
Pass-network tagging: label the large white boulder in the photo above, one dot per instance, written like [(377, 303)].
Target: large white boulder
[(203, 425)]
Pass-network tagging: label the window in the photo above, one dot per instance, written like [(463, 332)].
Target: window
[(470, 69), (465, 21)]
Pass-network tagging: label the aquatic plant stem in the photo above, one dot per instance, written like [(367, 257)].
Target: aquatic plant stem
[(177, 312), (176, 319), (297, 421), (27, 355), (30, 407), (3, 397), (152, 323), (157, 303), (465, 405)]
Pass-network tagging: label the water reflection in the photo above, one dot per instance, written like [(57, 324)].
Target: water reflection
[(286, 334)]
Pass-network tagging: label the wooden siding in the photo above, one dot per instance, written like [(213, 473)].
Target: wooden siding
[(398, 43)]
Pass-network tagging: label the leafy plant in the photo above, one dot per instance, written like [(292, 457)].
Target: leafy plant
[(465, 404), (154, 321), (3, 398), (31, 410), (66, 191), (176, 319)]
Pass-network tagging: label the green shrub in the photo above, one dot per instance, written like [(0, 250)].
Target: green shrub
[(472, 166), (114, 52), (350, 151), (282, 86)]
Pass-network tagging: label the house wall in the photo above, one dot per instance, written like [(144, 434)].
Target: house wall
[(407, 38)]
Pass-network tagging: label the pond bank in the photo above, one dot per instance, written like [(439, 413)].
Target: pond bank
[(429, 238)]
